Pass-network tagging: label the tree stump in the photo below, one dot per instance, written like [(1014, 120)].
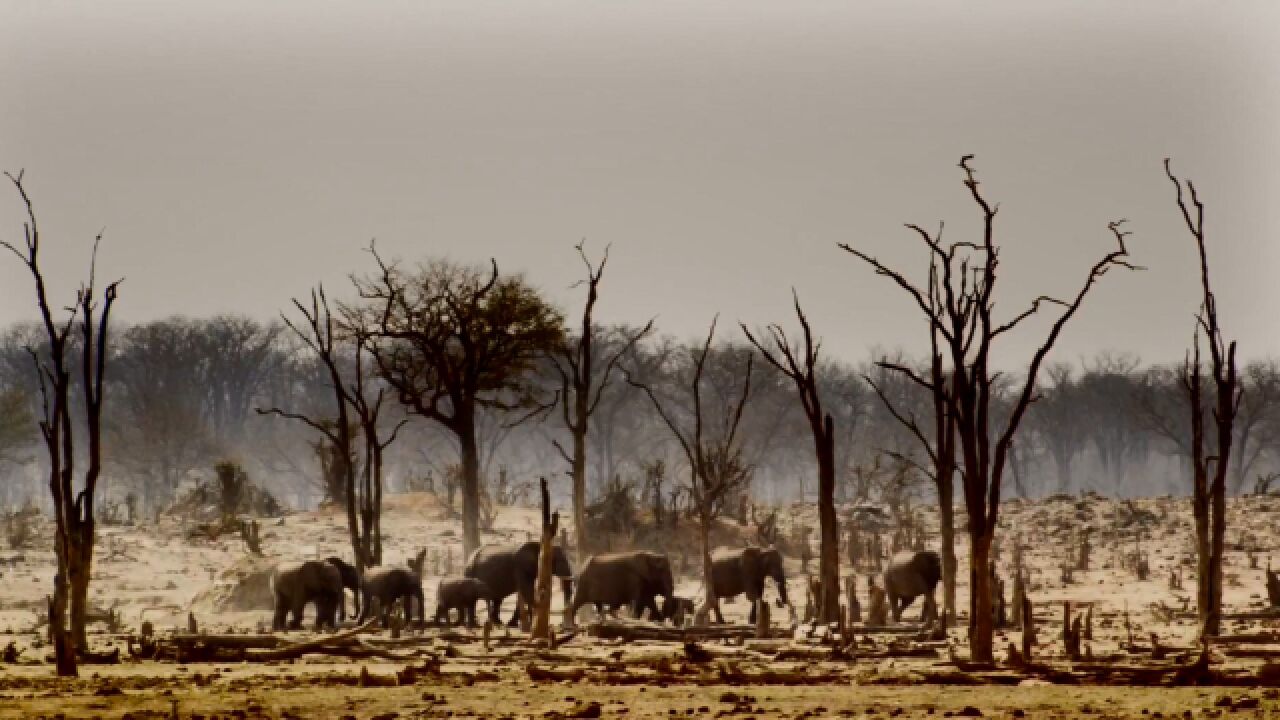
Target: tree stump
[(851, 594), (877, 605), (1027, 612)]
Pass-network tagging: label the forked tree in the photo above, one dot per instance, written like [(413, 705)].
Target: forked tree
[(1209, 457), (716, 466), (799, 363), (582, 385), (453, 340), (958, 301), (336, 343), (72, 506), (939, 445)]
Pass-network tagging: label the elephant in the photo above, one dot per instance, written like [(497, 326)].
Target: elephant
[(386, 585), (350, 581), (461, 594), (909, 575), (514, 569), (735, 571), (294, 585), (624, 578), (676, 609)]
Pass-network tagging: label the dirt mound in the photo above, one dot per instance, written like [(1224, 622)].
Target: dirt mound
[(244, 586), (422, 505)]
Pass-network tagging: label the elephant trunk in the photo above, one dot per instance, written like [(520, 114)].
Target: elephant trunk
[(781, 581), (566, 587)]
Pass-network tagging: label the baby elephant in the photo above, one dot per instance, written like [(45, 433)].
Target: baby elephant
[(910, 575), (461, 594), (383, 586)]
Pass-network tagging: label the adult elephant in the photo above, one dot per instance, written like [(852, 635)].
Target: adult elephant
[(737, 571), (350, 581), (296, 585), (514, 569), (624, 578), (910, 575), (383, 586)]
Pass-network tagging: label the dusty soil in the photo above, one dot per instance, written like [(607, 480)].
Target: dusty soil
[(156, 573)]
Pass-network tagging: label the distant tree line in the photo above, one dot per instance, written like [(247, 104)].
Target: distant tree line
[(183, 393)]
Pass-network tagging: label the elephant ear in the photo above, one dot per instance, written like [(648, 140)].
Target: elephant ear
[(658, 564)]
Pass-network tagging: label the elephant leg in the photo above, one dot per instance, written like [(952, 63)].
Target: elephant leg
[(295, 611), (655, 615), (324, 614), (751, 614), (281, 614), (715, 609), (471, 614)]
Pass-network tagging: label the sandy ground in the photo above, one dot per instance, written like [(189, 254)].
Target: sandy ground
[(155, 573)]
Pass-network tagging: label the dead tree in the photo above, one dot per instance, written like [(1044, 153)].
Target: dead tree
[(940, 446), (72, 507), (1209, 460), (542, 587), (716, 466), (581, 390), (958, 302), (342, 347), (787, 358)]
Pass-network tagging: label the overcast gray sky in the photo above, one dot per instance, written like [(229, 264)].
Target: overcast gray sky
[(238, 152)]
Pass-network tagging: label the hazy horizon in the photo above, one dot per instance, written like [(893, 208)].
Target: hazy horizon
[(239, 153)]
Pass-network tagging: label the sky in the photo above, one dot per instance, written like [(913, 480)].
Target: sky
[(237, 153)]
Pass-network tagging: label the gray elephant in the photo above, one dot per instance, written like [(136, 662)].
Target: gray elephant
[(514, 569), (624, 578), (909, 575), (350, 581), (737, 571), (295, 585), (461, 594), (383, 586)]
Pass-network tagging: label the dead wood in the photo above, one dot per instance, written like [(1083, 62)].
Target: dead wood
[(546, 674)]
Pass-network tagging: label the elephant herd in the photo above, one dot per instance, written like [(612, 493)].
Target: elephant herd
[(607, 582)]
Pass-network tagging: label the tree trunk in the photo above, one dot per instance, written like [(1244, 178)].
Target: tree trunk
[(947, 531), (829, 526), (1212, 623), (470, 488), (981, 620), (1062, 459), (80, 557), (64, 646), (542, 587), (579, 473), (711, 605)]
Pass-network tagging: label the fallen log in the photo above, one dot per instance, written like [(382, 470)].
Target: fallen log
[(1251, 652), (615, 630), (1269, 614), (546, 674), (242, 642), (298, 650), (733, 676), (1259, 638)]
